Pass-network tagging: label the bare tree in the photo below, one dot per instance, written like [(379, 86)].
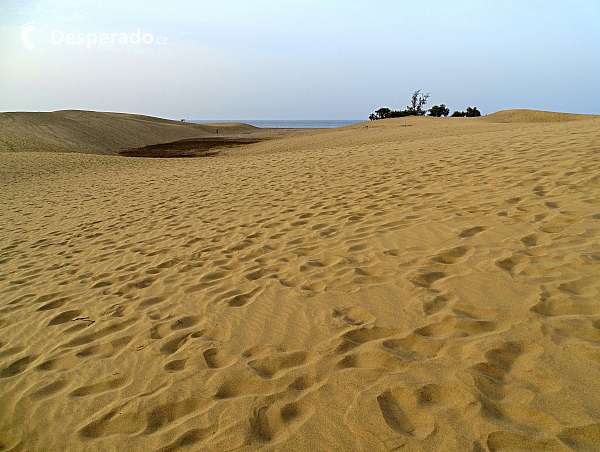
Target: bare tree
[(418, 102)]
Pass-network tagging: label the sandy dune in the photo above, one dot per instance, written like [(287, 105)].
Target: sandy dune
[(98, 132), (528, 116), (417, 284)]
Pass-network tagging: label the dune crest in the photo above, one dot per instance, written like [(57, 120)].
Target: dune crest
[(534, 116)]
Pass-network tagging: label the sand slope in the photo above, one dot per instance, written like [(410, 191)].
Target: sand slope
[(528, 116), (419, 284), (97, 132)]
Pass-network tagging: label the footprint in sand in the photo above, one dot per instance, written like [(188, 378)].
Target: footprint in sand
[(453, 255), (373, 359), (438, 303), (275, 423), (272, 365), (17, 367), (401, 412), (99, 387), (427, 277), (354, 315), (513, 264), (470, 232), (49, 390), (216, 358)]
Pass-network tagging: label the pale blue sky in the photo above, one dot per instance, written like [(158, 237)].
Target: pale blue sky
[(299, 59)]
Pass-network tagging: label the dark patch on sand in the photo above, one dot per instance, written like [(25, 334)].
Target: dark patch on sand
[(194, 147)]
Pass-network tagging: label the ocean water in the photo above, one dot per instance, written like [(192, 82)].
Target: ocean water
[(290, 124)]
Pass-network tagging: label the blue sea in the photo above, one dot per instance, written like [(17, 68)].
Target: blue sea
[(290, 123)]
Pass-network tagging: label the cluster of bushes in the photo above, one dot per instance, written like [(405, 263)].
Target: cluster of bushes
[(441, 110), (417, 108), (470, 113)]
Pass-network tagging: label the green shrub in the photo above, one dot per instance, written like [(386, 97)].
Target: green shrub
[(472, 112), (438, 111), (383, 113)]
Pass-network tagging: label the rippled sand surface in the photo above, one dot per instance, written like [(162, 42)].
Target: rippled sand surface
[(417, 284)]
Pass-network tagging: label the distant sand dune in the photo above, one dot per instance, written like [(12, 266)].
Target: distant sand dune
[(528, 116), (97, 132), (414, 284)]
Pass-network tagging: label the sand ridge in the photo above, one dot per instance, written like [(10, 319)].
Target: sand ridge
[(533, 116), (98, 132), (417, 284)]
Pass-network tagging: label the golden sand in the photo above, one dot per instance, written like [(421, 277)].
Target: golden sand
[(416, 284)]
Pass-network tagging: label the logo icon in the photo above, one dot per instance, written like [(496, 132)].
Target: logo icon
[(26, 30)]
